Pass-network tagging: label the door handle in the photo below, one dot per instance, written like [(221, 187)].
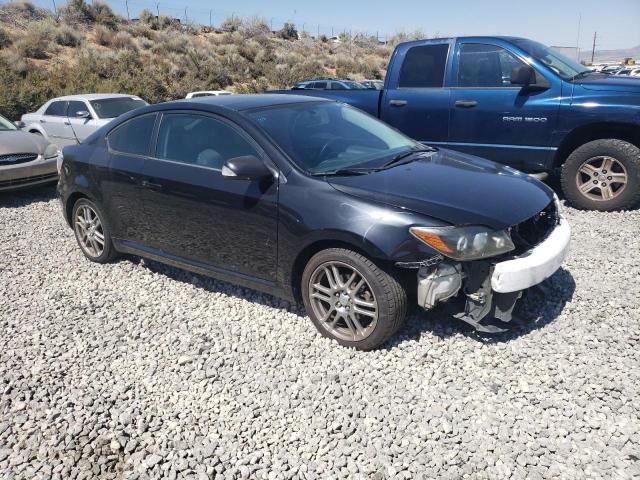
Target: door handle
[(67, 123), (43, 121), (398, 103), (466, 103), (151, 185)]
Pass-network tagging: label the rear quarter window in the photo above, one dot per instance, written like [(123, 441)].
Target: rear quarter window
[(134, 136)]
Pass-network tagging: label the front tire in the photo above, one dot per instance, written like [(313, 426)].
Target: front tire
[(352, 300), (92, 233), (603, 175)]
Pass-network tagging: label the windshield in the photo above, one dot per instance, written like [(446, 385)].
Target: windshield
[(6, 124), (114, 107), (563, 66), (326, 136)]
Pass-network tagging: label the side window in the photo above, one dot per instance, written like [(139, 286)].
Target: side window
[(485, 66), (74, 107), (56, 109), (200, 140), (134, 136), (319, 85), (337, 86), (424, 66)]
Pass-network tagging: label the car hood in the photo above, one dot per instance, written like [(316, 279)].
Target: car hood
[(455, 188), (612, 84), (17, 141)]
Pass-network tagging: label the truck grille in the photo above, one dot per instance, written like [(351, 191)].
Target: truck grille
[(533, 231), (15, 158)]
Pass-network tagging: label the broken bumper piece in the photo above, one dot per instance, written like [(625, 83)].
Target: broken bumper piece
[(484, 289)]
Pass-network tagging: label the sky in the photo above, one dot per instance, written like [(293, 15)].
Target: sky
[(554, 22)]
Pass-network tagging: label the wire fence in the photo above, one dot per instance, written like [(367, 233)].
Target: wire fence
[(215, 17)]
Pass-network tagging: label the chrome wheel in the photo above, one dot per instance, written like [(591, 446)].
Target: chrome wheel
[(601, 178), (89, 231), (343, 301)]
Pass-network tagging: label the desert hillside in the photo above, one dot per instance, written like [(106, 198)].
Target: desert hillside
[(87, 48)]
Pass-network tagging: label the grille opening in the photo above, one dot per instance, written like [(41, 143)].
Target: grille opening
[(15, 158), (535, 230)]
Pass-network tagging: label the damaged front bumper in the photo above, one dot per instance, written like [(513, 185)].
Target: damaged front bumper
[(473, 291)]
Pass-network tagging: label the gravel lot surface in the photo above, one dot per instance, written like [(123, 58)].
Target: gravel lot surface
[(136, 370)]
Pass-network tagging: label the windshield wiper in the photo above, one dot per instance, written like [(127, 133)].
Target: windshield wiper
[(346, 171), (581, 74), (401, 156)]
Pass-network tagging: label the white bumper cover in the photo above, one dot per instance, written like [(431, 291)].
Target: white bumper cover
[(537, 264)]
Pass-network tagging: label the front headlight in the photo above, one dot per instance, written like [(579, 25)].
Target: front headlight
[(50, 152), (465, 243)]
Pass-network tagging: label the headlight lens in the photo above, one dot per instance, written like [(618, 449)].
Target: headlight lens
[(50, 152), (465, 243)]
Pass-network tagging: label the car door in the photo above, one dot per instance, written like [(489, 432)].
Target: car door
[(82, 122), (492, 118), (197, 215), (56, 125), (416, 101), (129, 145)]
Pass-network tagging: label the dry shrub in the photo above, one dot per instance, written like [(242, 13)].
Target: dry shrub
[(123, 41), (103, 36)]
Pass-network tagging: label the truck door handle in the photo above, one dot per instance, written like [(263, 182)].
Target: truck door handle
[(43, 121), (151, 185), (466, 103), (398, 103), (67, 123)]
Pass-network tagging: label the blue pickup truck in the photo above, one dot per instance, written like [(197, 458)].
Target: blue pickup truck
[(517, 102)]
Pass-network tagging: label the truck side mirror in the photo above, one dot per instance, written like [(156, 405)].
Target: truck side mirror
[(526, 77)]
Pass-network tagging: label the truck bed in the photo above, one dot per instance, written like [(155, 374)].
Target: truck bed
[(366, 100)]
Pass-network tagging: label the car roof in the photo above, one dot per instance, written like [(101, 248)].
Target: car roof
[(246, 102), (94, 96)]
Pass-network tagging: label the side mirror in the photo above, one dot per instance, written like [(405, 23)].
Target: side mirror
[(19, 124), (83, 114), (526, 77), (246, 168)]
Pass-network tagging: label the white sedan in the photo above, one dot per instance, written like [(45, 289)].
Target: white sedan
[(208, 93), (69, 120)]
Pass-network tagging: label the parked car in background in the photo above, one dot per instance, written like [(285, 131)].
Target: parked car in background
[(208, 93), (635, 72), (314, 200), (25, 159), (517, 102), (611, 69), (329, 85), (623, 72), (373, 84), (69, 120)]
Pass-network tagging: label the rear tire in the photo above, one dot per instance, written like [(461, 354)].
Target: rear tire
[(92, 233), (352, 300), (603, 175)]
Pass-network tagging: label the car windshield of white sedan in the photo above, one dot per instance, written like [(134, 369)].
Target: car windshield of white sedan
[(6, 124), (327, 136), (114, 107)]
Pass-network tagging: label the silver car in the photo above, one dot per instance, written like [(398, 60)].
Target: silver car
[(25, 159), (69, 120)]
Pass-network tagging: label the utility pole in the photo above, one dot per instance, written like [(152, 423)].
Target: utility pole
[(158, 9), (593, 50), (210, 18), (55, 10), (318, 35), (186, 19), (126, 4)]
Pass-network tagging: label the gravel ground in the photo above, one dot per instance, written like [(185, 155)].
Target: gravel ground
[(136, 370)]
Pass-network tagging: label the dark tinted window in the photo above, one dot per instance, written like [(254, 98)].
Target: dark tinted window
[(74, 107), (134, 136), (200, 140), (424, 66), (56, 109), (485, 66), (114, 107), (319, 85), (337, 86)]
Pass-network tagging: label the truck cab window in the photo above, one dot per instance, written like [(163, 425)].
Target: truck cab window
[(424, 66), (485, 66)]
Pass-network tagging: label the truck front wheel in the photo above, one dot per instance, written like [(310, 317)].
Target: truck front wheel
[(603, 175)]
